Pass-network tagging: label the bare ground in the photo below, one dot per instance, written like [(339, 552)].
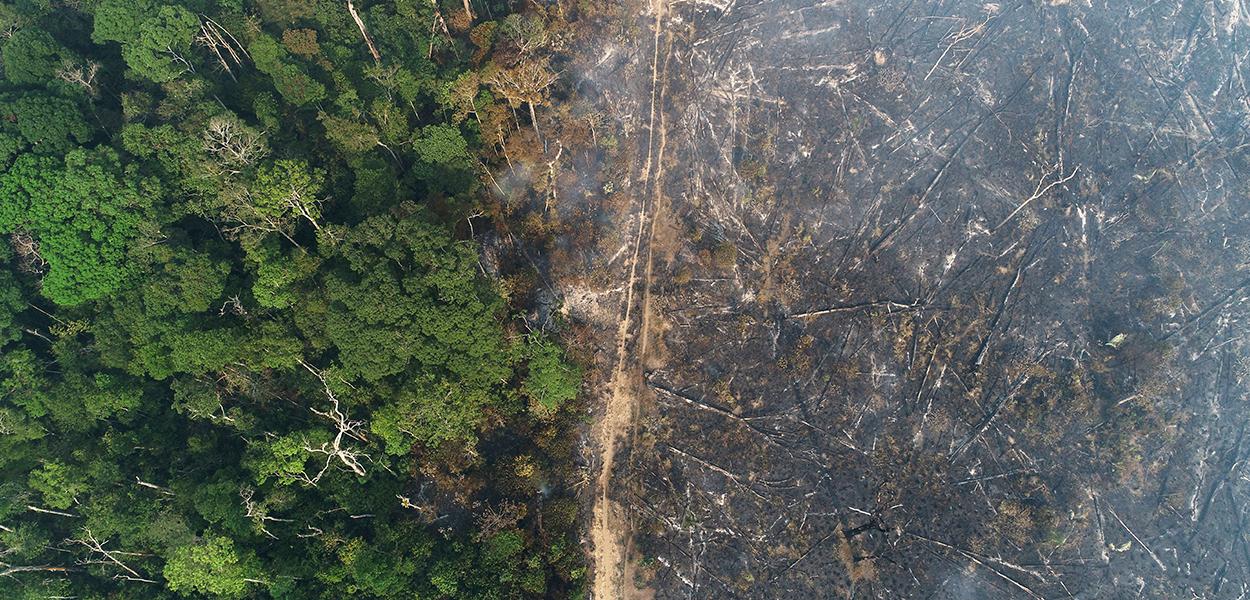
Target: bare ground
[(610, 531), (957, 310)]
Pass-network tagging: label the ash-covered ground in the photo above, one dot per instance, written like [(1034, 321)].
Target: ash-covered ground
[(945, 300)]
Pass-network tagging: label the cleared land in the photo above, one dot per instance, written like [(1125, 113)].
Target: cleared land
[(950, 302)]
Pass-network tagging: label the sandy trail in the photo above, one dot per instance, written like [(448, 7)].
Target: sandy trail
[(609, 531)]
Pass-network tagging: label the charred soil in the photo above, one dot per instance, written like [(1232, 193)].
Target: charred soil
[(947, 300)]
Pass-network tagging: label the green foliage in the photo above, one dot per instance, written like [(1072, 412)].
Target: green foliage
[(155, 39), (523, 31), (198, 399), (349, 136), (239, 315), (12, 304), (159, 344), (291, 80), (23, 382), (81, 400), (380, 569), (277, 271), (403, 292), (285, 12), (213, 566), (218, 503), (32, 57), (86, 213), (57, 484), (374, 186), (24, 541), (115, 20), (444, 146), (39, 123), (432, 412), (161, 50), (551, 381), (285, 459), (265, 105), (185, 281), (446, 164), (286, 189)]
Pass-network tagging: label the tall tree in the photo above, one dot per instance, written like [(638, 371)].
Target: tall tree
[(87, 214)]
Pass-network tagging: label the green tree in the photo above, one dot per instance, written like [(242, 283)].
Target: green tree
[(349, 135), (39, 123), (431, 411), (81, 400), (212, 566), (224, 338), (32, 57), (443, 145), (161, 50), (156, 40), (446, 167), (159, 344), (184, 281), (86, 213), (282, 192), (116, 20), (12, 304), (57, 483), (287, 459), (551, 381), (276, 271), (291, 80), (402, 292), (23, 381)]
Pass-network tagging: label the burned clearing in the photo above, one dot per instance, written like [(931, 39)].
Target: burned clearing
[(949, 301)]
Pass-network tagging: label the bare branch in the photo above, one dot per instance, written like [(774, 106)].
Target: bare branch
[(377, 58)]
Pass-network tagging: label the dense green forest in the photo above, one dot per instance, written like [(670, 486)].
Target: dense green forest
[(249, 347)]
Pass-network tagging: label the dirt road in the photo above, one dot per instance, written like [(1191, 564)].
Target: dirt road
[(609, 532)]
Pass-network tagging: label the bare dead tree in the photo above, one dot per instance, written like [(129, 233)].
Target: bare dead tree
[(232, 305), (234, 145), (985, 562), (177, 57), (1042, 188), (551, 178), (223, 45), (438, 23), (81, 75), (249, 213), (345, 428), (956, 37), (302, 206), (7, 570), (373, 51), (738, 480), (48, 511), (529, 35), (152, 486), (29, 260), (1139, 541), (499, 518), (257, 221), (99, 555), (315, 532), (258, 513)]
